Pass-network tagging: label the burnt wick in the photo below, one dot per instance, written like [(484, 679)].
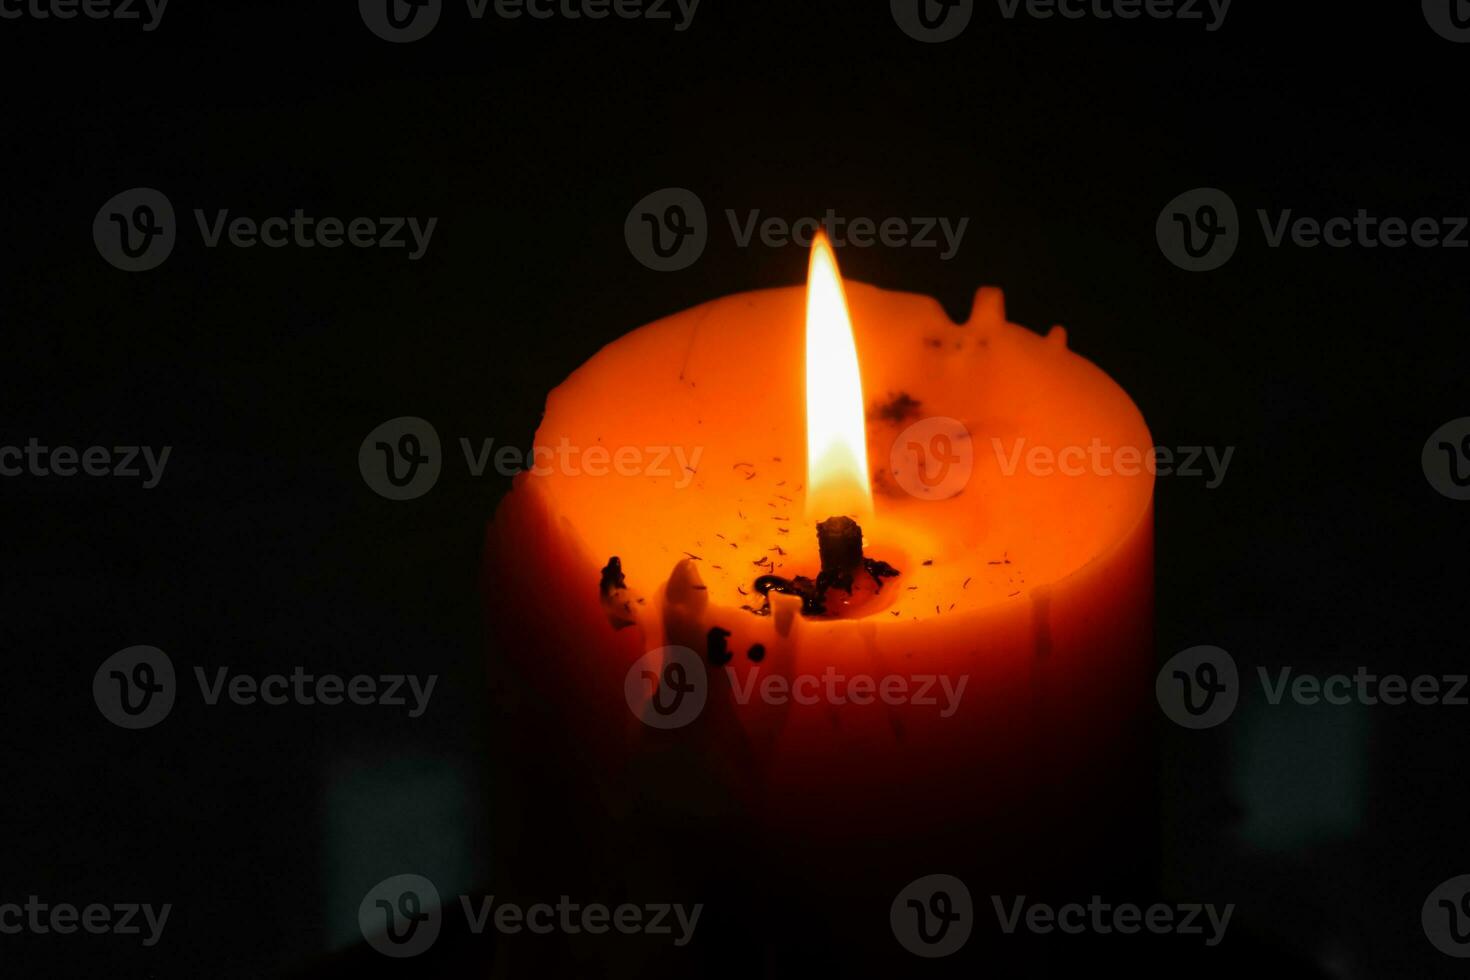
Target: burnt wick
[(840, 550)]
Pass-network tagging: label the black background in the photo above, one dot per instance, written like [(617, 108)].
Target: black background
[(262, 548)]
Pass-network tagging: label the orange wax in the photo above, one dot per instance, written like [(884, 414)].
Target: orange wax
[(1032, 582)]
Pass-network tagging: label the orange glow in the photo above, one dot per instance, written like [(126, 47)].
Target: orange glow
[(836, 440)]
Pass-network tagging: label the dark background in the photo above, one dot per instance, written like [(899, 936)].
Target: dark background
[(1325, 547)]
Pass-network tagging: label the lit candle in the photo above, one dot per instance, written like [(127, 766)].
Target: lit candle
[(998, 617)]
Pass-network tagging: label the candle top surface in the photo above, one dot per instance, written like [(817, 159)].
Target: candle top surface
[(1000, 460)]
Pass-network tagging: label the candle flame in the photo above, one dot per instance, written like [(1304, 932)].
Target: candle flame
[(836, 440)]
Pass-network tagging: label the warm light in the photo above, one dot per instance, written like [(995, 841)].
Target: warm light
[(836, 442)]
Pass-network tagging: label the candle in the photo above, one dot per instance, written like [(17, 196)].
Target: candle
[(656, 579)]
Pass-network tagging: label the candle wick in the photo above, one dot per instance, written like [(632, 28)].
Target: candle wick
[(840, 548)]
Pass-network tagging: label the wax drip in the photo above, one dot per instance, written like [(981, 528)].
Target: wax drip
[(613, 588)]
